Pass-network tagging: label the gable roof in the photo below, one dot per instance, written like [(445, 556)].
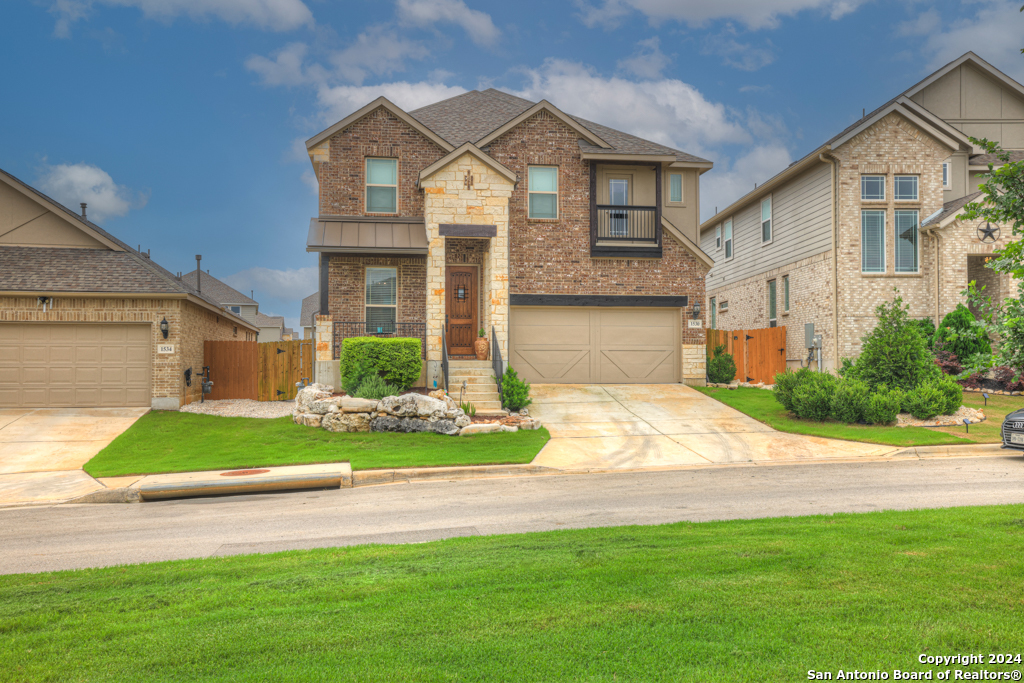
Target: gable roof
[(310, 308), (468, 148), (950, 209), (976, 62), (369, 109), (224, 293), (270, 320)]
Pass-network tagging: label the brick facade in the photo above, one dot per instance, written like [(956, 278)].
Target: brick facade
[(199, 325), (346, 298)]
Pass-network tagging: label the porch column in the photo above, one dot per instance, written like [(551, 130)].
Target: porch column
[(325, 367)]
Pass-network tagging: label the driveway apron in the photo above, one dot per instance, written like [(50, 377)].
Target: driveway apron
[(664, 425)]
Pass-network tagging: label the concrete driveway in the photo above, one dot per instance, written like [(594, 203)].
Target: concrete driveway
[(665, 425), (42, 451)]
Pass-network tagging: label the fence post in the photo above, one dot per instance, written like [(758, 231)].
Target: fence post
[(325, 368)]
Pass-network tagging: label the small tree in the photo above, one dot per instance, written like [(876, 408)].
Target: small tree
[(960, 334), (894, 354), (721, 367)]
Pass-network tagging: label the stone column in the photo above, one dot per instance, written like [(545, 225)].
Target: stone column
[(325, 368)]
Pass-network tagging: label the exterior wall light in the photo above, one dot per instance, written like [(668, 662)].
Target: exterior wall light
[(696, 309), (165, 327)]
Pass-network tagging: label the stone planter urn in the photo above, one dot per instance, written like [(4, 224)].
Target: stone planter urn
[(481, 347)]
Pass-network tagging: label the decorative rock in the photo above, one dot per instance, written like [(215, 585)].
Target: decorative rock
[(312, 420), (399, 424), (447, 427), (508, 428), (530, 424), (414, 405), (314, 392), (350, 404), (480, 428), (450, 402), (524, 412), (346, 422), (323, 406), (462, 421), (438, 394)]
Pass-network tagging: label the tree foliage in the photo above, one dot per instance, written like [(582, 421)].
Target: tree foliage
[(895, 353)]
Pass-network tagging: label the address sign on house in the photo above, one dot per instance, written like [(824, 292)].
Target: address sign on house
[(165, 348)]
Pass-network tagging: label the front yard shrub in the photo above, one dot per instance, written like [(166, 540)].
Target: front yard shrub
[(395, 359), (894, 353), (374, 387), (947, 361), (960, 334), (721, 367), (927, 329), (812, 398), (785, 383), (1008, 378), (850, 402), (925, 402), (883, 406), (952, 394), (515, 393)]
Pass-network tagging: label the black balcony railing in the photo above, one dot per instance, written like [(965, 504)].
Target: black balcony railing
[(627, 223), (347, 330)]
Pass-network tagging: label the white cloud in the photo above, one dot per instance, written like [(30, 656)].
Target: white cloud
[(72, 184), (725, 183), (287, 67), (744, 56), (293, 284), (994, 32), (925, 23), (753, 14), (378, 51), (425, 13), (647, 62), (275, 15)]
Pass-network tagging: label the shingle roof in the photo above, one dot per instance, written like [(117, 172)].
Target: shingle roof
[(949, 208), (310, 307), (269, 320), (985, 159), (220, 291), (471, 116)]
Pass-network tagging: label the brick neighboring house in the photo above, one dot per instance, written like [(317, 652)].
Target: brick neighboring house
[(889, 190), (574, 244), (81, 314)]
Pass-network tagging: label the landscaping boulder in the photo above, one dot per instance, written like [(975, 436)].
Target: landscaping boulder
[(314, 392), (350, 404), (480, 428), (414, 405), (532, 423), (439, 394), (346, 422), (399, 424), (462, 420), (509, 428), (323, 406), (311, 419)]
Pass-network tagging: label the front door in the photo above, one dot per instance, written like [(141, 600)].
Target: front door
[(618, 195), (461, 309)]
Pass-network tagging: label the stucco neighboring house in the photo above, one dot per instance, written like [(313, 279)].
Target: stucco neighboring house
[(307, 317), (229, 297), (271, 327), (88, 321), (889, 190), (571, 244)]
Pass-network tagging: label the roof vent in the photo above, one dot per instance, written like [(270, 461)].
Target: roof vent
[(199, 274), (83, 210)]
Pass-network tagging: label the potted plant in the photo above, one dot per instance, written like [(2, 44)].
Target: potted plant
[(481, 346)]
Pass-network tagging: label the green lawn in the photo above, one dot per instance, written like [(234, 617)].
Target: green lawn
[(757, 600), (184, 442), (761, 405)]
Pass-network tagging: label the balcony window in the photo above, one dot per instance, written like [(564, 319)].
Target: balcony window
[(382, 186), (381, 300), (675, 188), (618, 195), (906, 242), (766, 220), (872, 188), (872, 241), (543, 191), (905, 188)]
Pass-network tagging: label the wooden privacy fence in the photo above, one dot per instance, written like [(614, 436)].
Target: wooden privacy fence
[(280, 365), (232, 368), (759, 354)]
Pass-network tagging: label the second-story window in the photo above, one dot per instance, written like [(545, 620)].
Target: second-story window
[(543, 191), (382, 186), (766, 220), (872, 188), (727, 230), (945, 175), (675, 188), (718, 237), (905, 188), (872, 241)]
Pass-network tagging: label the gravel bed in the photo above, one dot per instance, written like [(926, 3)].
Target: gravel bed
[(241, 407), (956, 419)]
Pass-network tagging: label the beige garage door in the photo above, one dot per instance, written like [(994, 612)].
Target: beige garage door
[(581, 345), (74, 365)]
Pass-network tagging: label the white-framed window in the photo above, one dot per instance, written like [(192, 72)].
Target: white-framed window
[(766, 220), (675, 188), (946, 181), (542, 186), (381, 185), (723, 306), (727, 236), (904, 188), (714, 314), (872, 241), (236, 310), (718, 237), (381, 300), (773, 317), (785, 294), (872, 188), (907, 241)]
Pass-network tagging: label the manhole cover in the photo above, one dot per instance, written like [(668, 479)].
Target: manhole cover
[(242, 473)]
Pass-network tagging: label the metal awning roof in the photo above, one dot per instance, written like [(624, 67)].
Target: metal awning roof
[(353, 235)]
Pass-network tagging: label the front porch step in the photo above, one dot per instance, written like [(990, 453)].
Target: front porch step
[(456, 380), (488, 407), (467, 372), (469, 363)]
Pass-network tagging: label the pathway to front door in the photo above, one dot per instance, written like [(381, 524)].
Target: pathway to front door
[(665, 425)]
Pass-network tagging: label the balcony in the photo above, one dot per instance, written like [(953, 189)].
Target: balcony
[(622, 225), (625, 213)]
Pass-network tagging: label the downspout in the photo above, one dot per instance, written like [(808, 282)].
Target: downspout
[(935, 236), (833, 162)]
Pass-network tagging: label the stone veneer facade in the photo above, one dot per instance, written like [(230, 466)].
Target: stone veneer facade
[(190, 325)]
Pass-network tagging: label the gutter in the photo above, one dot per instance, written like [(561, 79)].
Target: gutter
[(935, 236), (833, 162)]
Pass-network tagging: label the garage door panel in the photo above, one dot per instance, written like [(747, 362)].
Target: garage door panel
[(570, 365), (75, 364), (637, 365)]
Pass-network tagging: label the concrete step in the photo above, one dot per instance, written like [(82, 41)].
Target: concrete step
[(487, 407), (478, 397), (469, 363), (472, 383), (476, 372)]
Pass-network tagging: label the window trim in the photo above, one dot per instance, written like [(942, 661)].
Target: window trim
[(718, 237), (785, 294), (917, 187), (770, 221), (682, 191), (947, 175), (366, 285), (884, 188), (728, 243), (773, 286), (367, 185), (884, 259), (917, 242), (530, 191)]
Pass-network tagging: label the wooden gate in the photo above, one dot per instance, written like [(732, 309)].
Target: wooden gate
[(759, 354), (280, 366), (232, 369)]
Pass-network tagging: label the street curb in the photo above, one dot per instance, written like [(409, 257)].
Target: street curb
[(119, 495), (952, 449), (401, 475)]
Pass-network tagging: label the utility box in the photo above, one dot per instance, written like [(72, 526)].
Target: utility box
[(809, 335)]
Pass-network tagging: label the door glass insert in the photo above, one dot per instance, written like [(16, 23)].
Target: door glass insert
[(618, 195)]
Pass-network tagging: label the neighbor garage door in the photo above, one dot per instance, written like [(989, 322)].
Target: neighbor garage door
[(74, 365), (584, 345)]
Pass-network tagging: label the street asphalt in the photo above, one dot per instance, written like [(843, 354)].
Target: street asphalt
[(36, 539)]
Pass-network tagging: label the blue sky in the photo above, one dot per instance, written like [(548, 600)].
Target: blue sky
[(181, 121)]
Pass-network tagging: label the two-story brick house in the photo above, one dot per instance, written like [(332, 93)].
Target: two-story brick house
[(572, 245), (877, 207)]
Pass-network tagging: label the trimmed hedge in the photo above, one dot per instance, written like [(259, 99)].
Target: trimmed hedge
[(396, 360)]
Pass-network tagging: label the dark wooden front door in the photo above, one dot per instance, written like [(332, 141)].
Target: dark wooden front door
[(461, 309)]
